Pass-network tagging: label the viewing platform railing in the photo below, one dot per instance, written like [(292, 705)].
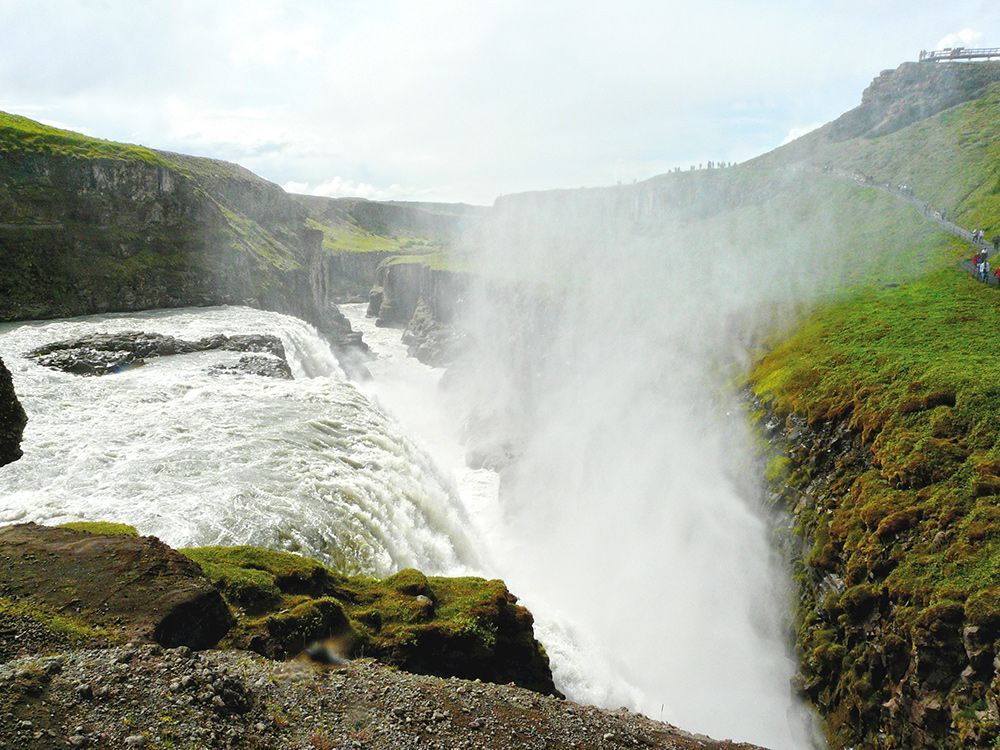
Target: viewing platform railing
[(959, 53)]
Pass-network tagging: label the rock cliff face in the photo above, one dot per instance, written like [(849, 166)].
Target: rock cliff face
[(361, 234), (87, 226), (12, 419), (399, 286), (882, 672), (911, 92)]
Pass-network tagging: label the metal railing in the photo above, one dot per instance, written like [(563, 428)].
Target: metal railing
[(959, 53)]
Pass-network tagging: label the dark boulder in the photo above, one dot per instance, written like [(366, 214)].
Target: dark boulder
[(119, 587), (12, 419), (256, 364)]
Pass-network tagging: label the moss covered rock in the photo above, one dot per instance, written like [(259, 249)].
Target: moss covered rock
[(461, 627)]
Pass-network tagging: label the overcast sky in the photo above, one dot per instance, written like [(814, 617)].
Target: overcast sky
[(463, 100)]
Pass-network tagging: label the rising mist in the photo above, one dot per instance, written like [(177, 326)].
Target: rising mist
[(611, 341)]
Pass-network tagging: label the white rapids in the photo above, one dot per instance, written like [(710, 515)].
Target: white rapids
[(307, 465), (368, 477)]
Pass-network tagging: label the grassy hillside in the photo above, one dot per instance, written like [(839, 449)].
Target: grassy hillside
[(912, 369), (950, 159), (88, 225), (19, 135)]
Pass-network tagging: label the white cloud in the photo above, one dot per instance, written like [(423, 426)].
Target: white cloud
[(964, 38), (339, 187), (799, 131)]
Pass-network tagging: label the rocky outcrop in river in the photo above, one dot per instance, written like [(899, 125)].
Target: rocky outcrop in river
[(106, 353), (400, 286), (12, 419), (429, 340)]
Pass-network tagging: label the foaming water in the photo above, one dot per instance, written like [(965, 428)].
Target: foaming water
[(307, 465), (410, 391)]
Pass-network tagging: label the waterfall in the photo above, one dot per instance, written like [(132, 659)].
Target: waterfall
[(608, 355)]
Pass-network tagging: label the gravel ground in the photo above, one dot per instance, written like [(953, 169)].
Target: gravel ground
[(142, 696)]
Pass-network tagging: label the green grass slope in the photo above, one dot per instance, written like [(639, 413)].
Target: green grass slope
[(912, 369), (20, 135)]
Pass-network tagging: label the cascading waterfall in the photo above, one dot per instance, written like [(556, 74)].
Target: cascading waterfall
[(606, 352), (307, 465), (411, 391)]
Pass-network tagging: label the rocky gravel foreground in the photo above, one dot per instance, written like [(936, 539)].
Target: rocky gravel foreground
[(143, 696)]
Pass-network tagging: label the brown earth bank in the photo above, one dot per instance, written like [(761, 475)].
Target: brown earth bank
[(884, 670), (97, 626)]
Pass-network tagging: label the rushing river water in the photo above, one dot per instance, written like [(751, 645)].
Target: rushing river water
[(307, 465)]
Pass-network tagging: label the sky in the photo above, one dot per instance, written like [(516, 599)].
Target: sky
[(461, 100)]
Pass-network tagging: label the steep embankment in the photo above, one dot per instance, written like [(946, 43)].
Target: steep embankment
[(885, 410), (93, 226), (12, 419)]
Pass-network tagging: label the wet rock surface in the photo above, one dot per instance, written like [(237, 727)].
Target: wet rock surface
[(145, 696), (12, 419), (107, 353), (256, 364), (429, 340), (79, 586)]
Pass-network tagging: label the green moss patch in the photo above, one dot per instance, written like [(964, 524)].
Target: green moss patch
[(104, 528), (467, 627)]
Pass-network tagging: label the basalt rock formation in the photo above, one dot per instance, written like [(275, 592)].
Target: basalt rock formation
[(362, 234), (399, 286), (12, 419)]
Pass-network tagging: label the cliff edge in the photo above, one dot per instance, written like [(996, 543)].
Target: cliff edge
[(12, 419)]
